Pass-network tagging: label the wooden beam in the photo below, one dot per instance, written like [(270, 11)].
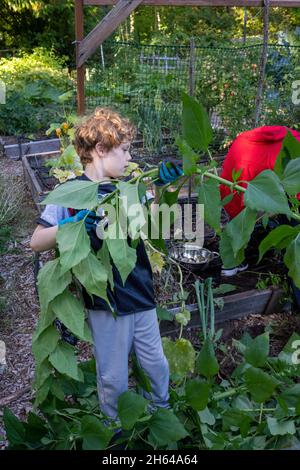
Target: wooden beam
[(204, 3), (104, 29), (79, 35)]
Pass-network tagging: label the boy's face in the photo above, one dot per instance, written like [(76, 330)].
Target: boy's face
[(116, 160)]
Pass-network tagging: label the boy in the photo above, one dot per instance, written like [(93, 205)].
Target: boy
[(102, 142)]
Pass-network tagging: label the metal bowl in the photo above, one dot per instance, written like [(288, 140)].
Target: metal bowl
[(192, 257)]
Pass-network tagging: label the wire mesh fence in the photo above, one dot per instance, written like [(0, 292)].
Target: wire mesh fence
[(145, 82)]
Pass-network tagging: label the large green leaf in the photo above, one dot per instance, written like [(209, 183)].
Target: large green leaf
[(265, 193), (196, 126), (91, 273), (209, 195), (291, 395), (229, 259), (35, 430), (180, 355), (240, 229), (76, 194), (197, 393), (42, 372), (165, 427), (292, 260), (104, 257), (46, 319), (290, 149), (260, 384), (279, 237), (63, 359), (280, 428), (42, 392), (45, 343), (257, 351), (130, 408), (15, 430), (189, 157), (71, 312), (236, 418), (73, 243), (207, 363), (291, 179), (94, 434), (52, 282), (132, 207), (123, 256)]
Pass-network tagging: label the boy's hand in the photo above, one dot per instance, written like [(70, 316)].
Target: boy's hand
[(168, 172), (89, 222)]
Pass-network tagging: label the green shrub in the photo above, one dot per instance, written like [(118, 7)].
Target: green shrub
[(34, 83)]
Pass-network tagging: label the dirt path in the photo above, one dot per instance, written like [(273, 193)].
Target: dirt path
[(19, 306)]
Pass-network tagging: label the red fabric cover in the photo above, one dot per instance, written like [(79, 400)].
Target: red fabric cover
[(252, 151)]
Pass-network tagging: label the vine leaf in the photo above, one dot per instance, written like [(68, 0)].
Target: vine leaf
[(75, 194), (45, 344), (91, 273), (209, 195), (71, 312), (73, 243), (123, 256), (196, 126), (265, 193), (279, 237), (292, 260), (240, 229), (63, 359), (52, 281)]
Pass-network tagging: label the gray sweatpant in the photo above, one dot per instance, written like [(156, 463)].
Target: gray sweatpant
[(114, 339)]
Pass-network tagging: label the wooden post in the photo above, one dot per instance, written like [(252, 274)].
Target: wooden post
[(191, 92), (205, 3), (263, 63), (245, 26), (79, 35), (104, 29)]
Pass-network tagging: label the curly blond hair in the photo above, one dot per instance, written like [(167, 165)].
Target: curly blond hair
[(104, 126)]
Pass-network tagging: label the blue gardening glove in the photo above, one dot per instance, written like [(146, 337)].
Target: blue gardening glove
[(168, 172), (89, 222)]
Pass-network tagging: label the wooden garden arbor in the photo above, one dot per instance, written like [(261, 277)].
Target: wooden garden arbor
[(86, 46)]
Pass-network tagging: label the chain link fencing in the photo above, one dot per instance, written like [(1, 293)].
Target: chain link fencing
[(145, 82)]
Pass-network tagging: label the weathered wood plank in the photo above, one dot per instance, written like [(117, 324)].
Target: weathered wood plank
[(32, 148), (34, 185), (104, 29), (79, 35), (236, 306), (205, 3)]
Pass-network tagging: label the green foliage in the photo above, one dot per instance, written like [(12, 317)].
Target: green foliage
[(34, 82), (196, 126), (265, 193), (209, 195), (207, 363), (260, 401), (204, 412), (180, 355), (130, 408)]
